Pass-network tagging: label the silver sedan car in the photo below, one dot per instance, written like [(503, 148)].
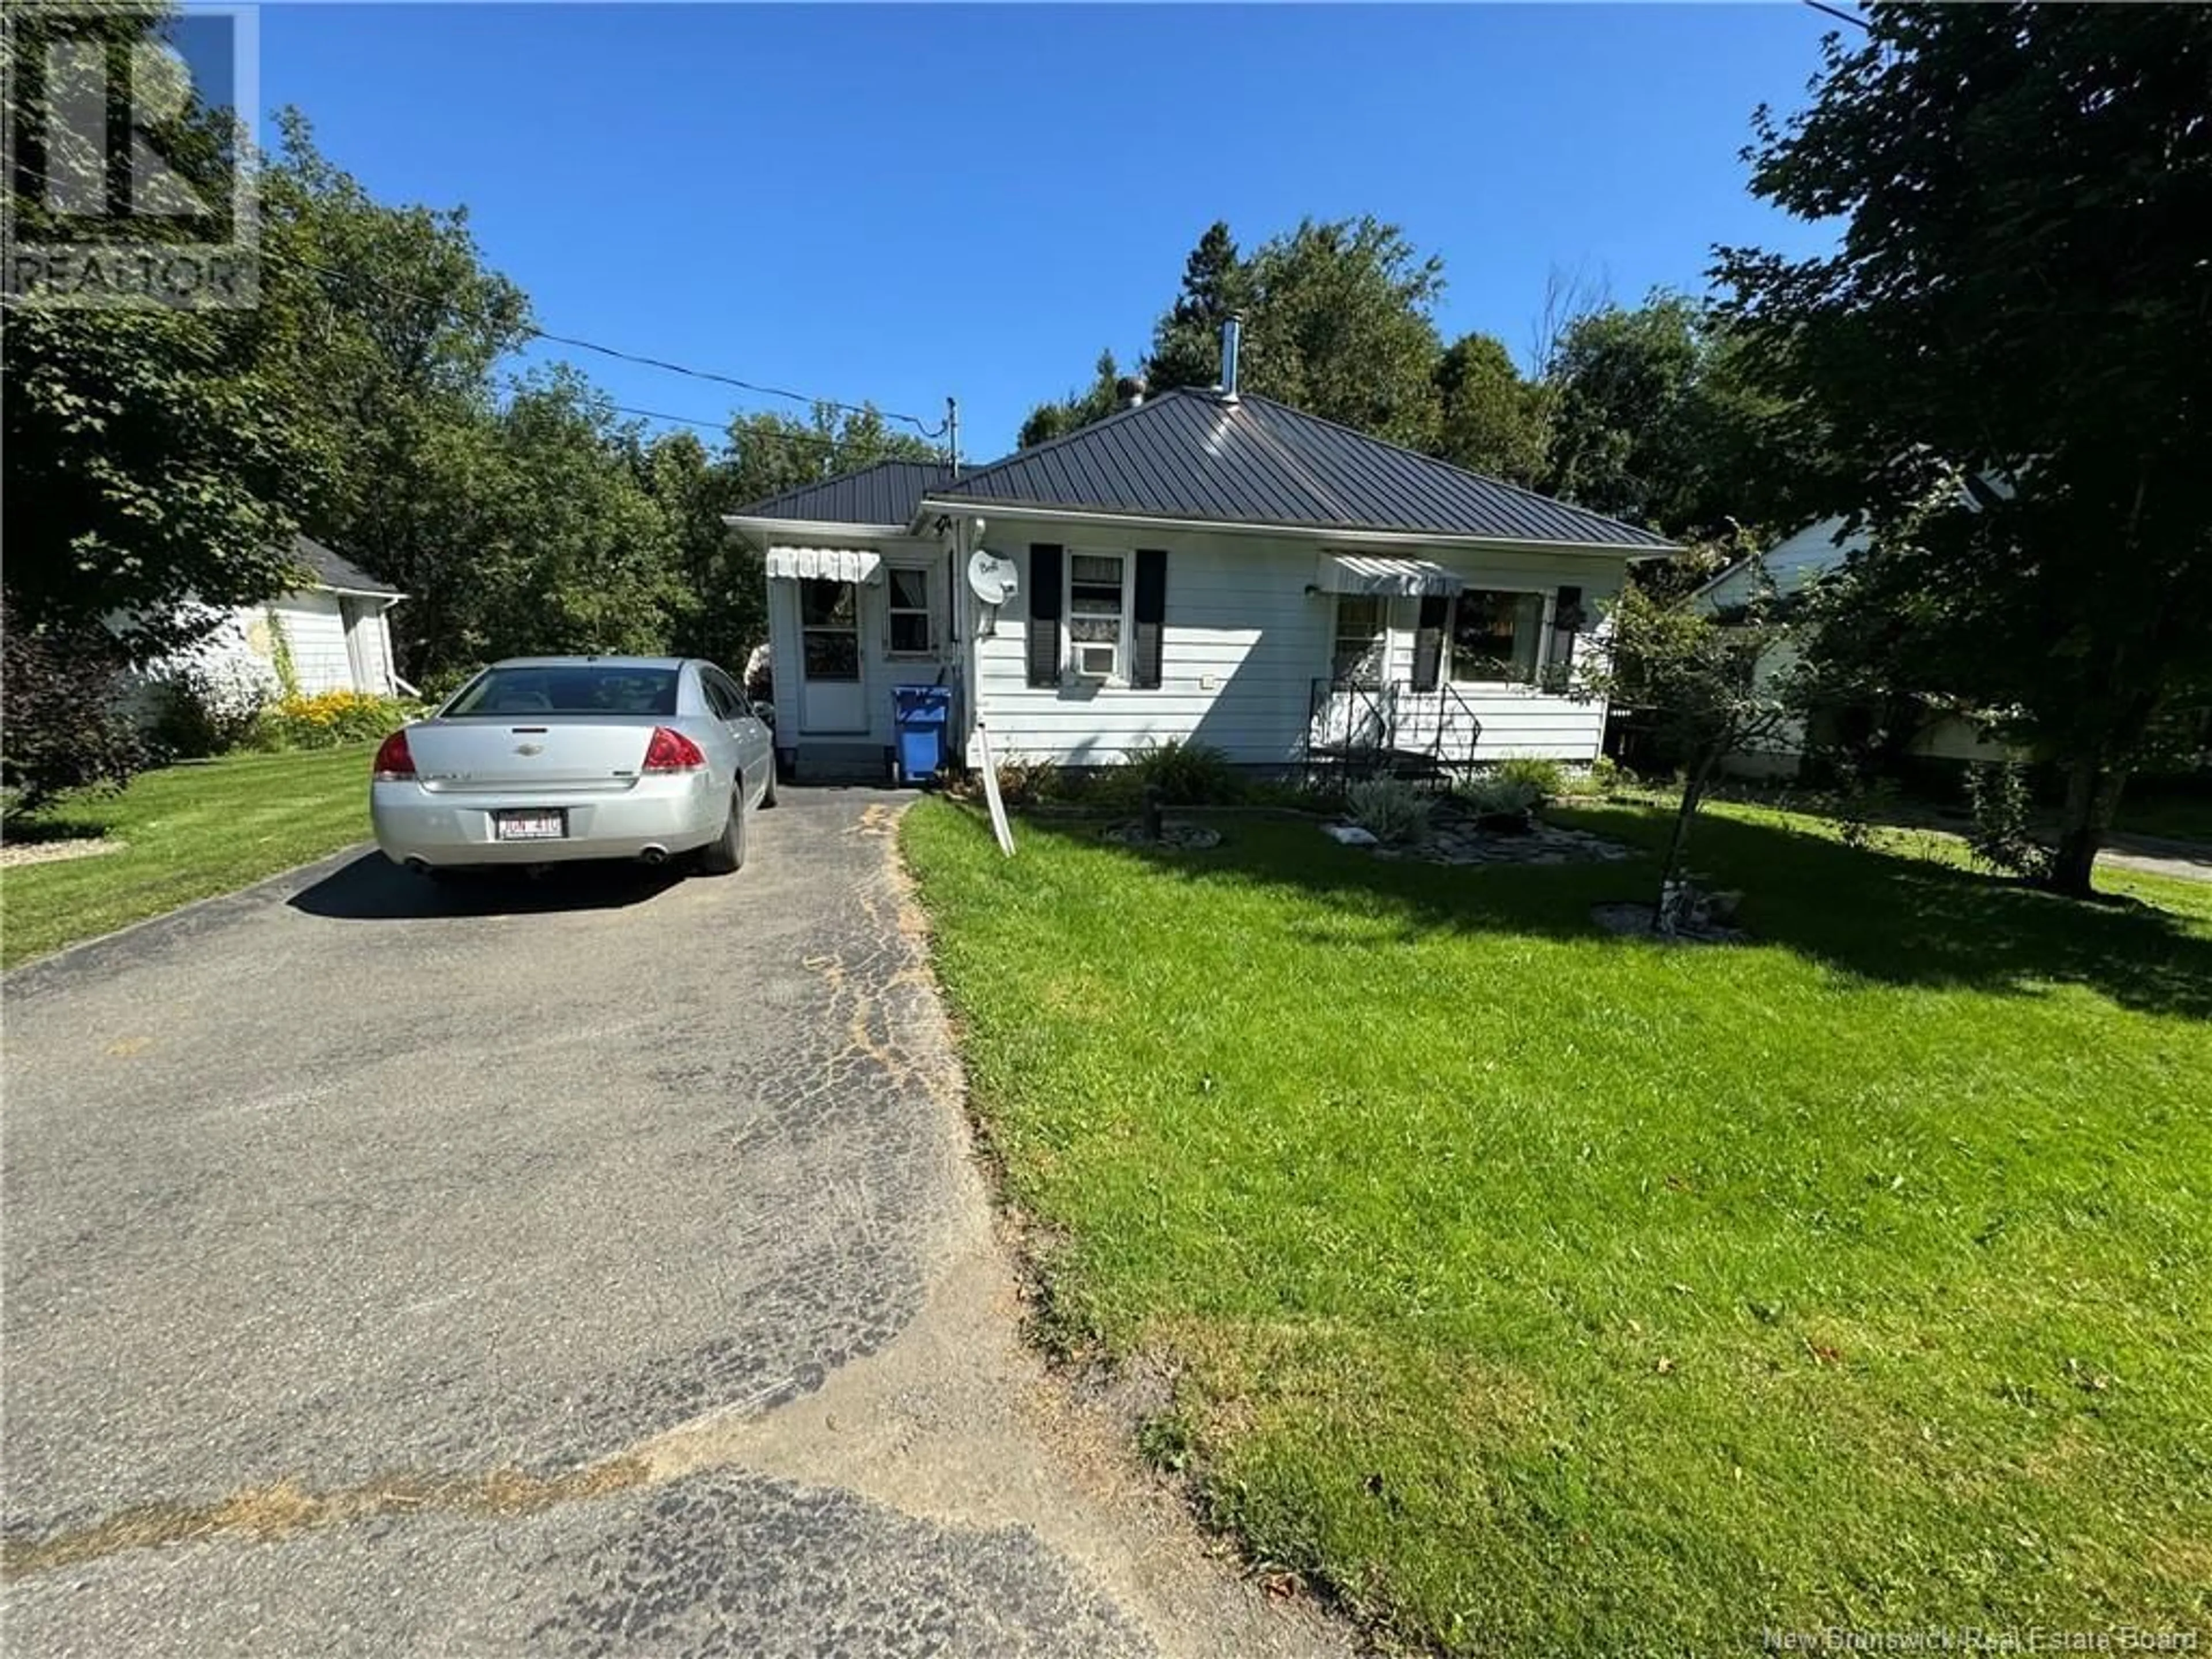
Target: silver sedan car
[(539, 759)]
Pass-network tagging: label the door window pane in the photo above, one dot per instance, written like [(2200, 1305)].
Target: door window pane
[(1357, 656), (832, 656), (829, 615), (827, 605)]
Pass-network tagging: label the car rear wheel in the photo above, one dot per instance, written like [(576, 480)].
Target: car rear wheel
[(725, 853), (768, 795)]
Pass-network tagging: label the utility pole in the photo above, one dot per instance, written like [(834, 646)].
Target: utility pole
[(953, 429)]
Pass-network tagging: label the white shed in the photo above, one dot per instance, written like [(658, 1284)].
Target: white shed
[(1795, 564), (336, 629)]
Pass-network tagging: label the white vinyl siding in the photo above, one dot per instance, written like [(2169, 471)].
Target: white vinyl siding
[(1245, 641), (1792, 563), (317, 639)]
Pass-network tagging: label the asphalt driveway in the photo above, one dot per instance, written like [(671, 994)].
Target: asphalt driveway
[(587, 1266)]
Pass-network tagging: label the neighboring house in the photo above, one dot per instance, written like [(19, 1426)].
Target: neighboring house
[(335, 626), (1795, 564), (1204, 566)]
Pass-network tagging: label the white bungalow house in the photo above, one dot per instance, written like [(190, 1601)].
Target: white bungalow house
[(335, 627), (1794, 565), (1204, 565)]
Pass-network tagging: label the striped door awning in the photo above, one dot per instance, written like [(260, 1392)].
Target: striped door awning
[(1360, 573), (833, 564)]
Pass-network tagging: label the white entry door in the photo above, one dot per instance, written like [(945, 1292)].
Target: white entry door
[(832, 698)]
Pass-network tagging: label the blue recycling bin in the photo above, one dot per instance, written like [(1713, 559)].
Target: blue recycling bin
[(922, 713)]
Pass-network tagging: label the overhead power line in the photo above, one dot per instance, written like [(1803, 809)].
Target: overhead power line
[(741, 435), (1838, 13), (578, 344)]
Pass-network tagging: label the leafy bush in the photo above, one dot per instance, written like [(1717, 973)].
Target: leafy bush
[(330, 719), (1186, 774), (1389, 809), (1032, 782), (64, 728), (1317, 794), (1546, 777), (1498, 795), (205, 706), (1604, 776), (2001, 838)]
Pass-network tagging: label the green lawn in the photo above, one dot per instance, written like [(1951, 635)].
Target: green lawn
[(1544, 1292), (191, 831)]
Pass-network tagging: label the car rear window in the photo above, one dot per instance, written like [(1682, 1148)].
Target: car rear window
[(582, 688)]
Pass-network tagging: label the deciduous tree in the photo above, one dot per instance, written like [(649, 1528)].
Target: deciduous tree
[(2023, 295), (1492, 420)]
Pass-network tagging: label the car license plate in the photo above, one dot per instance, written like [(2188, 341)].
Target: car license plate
[(530, 823)]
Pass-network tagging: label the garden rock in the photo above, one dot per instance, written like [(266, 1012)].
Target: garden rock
[(1634, 919), (1175, 836), (1462, 840)]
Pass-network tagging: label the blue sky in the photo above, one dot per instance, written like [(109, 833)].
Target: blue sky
[(899, 202)]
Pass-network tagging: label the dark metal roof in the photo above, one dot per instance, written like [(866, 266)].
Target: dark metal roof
[(1192, 454), (885, 493), (333, 569)]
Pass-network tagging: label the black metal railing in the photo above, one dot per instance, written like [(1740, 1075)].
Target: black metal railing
[(1356, 730)]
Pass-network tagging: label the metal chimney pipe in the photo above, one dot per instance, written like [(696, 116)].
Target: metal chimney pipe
[(1232, 332)]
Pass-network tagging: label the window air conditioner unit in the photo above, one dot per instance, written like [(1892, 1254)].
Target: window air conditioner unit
[(1094, 659)]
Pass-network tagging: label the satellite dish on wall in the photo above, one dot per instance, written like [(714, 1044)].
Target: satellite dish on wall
[(991, 579)]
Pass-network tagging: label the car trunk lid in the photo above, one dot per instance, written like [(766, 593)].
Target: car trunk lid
[(567, 754)]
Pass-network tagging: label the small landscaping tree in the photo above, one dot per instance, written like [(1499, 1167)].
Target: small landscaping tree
[(1695, 674), (62, 729)]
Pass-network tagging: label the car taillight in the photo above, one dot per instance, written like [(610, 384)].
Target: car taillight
[(393, 764), (672, 752)]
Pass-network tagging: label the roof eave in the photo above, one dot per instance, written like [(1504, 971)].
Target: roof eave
[(314, 581), (1031, 512), (749, 526)]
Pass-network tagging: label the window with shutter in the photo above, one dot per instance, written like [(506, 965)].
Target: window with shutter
[(1098, 615), (1495, 635)]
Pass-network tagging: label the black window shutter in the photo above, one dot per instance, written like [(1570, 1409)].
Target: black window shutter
[(1151, 614), (1566, 622), (1429, 642), (1044, 613)]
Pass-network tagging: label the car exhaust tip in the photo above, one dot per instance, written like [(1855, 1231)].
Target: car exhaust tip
[(653, 855), (417, 867)]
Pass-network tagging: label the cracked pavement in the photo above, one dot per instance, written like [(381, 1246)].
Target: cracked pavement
[(593, 1266)]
